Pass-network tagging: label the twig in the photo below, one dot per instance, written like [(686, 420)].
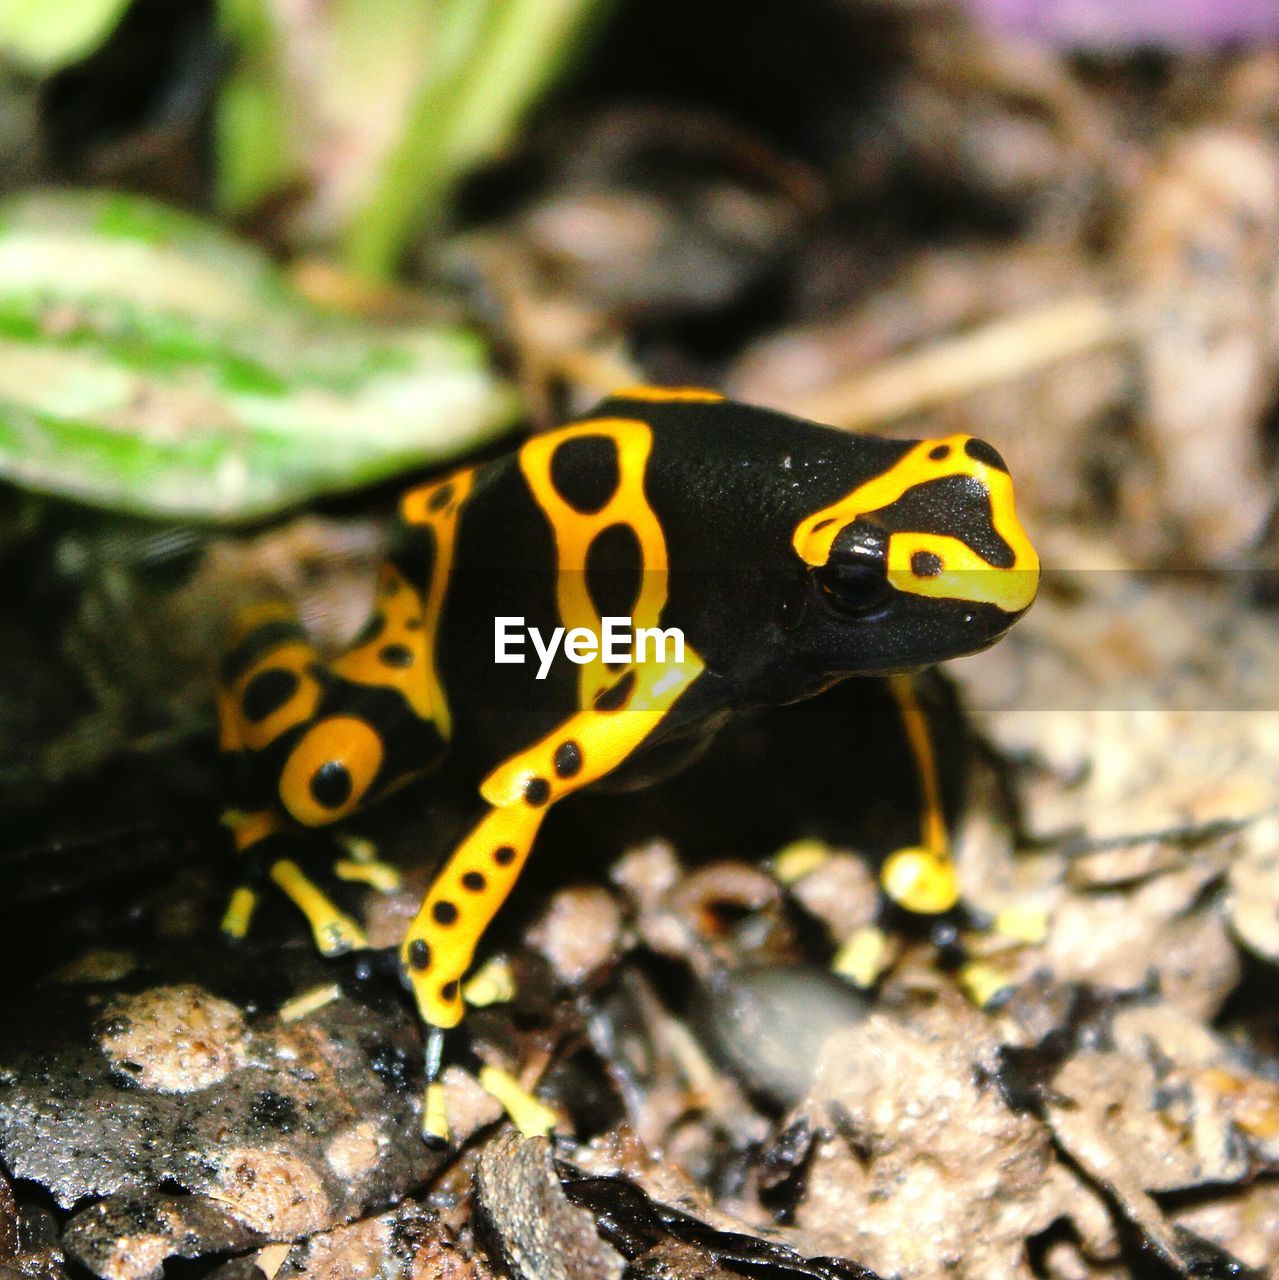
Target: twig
[(1001, 351)]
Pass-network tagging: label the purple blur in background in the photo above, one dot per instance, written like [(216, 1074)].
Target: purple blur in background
[(1126, 24)]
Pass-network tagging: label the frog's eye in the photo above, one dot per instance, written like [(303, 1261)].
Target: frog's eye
[(855, 590)]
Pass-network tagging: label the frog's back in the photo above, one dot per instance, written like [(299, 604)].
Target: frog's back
[(631, 512)]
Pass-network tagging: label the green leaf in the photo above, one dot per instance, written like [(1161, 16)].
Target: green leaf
[(46, 35), (150, 363), (251, 125), (493, 59)]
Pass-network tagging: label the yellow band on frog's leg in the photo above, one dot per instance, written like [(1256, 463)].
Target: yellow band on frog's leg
[(921, 879), (335, 932), (250, 829), (461, 902)]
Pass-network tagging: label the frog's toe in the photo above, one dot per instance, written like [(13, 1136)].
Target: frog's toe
[(864, 956), (240, 909), (334, 931), (338, 936), (380, 876)]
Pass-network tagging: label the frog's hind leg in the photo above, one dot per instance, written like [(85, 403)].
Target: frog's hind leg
[(270, 690)]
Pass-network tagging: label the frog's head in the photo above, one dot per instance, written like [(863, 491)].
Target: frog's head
[(923, 562)]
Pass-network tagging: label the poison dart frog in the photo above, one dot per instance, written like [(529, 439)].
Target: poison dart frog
[(787, 555)]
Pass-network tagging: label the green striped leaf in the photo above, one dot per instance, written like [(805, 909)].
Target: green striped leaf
[(150, 363)]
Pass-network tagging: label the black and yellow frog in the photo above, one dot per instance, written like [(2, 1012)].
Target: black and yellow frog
[(763, 558)]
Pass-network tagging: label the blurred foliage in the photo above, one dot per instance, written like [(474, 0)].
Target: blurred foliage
[(46, 35), (151, 363), (373, 110), (360, 116)]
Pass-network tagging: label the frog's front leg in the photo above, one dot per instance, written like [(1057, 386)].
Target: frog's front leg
[(920, 879), (923, 881), (472, 885)]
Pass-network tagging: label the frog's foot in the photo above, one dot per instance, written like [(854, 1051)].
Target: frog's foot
[(249, 831), (988, 978), (334, 931), (270, 854), (492, 983), (794, 861), (1022, 923), (985, 983), (918, 885), (870, 951), (531, 1116), (435, 1115)]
